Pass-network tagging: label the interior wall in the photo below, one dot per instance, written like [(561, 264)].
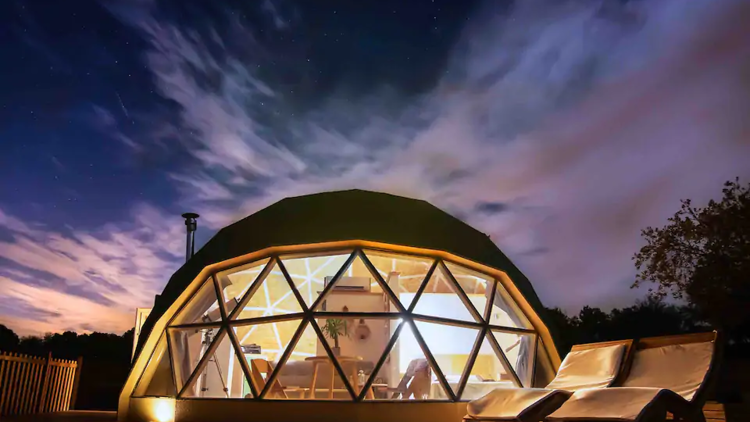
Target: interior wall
[(371, 349)]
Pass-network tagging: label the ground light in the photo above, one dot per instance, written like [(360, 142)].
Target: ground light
[(163, 410)]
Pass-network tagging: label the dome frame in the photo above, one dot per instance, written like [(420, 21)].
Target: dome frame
[(309, 315)]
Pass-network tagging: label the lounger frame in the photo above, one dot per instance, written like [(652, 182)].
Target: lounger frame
[(539, 410), (667, 401)]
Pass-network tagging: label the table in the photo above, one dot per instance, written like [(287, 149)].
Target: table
[(352, 360)]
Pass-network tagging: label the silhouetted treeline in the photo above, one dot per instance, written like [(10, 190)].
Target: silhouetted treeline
[(646, 318), (106, 361), (69, 345)]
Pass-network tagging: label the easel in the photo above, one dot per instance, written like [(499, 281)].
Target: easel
[(206, 340)]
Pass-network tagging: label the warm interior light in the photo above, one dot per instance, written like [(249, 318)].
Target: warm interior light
[(164, 410)]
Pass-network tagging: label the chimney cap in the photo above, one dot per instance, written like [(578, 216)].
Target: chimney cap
[(190, 215)]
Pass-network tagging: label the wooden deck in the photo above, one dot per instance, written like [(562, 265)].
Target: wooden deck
[(714, 412), (733, 412)]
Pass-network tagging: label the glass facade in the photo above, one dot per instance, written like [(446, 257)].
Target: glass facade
[(347, 325)]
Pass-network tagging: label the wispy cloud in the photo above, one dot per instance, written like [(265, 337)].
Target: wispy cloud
[(560, 128), (32, 310), (591, 118), (108, 272)]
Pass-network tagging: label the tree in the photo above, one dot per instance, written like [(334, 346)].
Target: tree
[(593, 325), (8, 339), (652, 317), (563, 326), (702, 256)]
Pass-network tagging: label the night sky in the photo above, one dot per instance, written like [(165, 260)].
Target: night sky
[(558, 127)]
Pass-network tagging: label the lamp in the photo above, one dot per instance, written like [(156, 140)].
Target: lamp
[(163, 410)]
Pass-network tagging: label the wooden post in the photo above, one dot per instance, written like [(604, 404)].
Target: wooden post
[(22, 386), (43, 392), (5, 394), (32, 386), (69, 373), (15, 389), (53, 384), (37, 386), (3, 370), (76, 380), (65, 386)]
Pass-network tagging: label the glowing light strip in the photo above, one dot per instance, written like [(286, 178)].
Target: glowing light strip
[(231, 368), (309, 287)]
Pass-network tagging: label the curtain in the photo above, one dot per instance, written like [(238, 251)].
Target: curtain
[(523, 365)]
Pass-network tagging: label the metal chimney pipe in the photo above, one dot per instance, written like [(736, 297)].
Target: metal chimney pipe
[(191, 226)]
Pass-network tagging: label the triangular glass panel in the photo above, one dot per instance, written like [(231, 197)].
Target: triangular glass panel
[(188, 346), (359, 271), (307, 373), (505, 312), (203, 307), (221, 375), (450, 346), (273, 296), (262, 346), (439, 298), (157, 377), (477, 286), (357, 344), (266, 341), (354, 294), (404, 274), (310, 272), (234, 282), (519, 349), (406, 373), (487, 373)]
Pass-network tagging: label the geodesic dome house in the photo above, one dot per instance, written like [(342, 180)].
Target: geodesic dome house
[(339, 306)]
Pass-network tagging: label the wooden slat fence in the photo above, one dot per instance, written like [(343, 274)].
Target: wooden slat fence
[(32, 384)]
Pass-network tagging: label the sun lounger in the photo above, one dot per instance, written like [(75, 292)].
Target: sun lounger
[(668, 374), (592, 366)]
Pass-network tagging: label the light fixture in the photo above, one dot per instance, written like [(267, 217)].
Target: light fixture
[(163, 410)]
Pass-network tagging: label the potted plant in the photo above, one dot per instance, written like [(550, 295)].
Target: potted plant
[(333, 329)]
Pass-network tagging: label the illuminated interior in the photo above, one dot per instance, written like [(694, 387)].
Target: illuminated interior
[(347, 325)]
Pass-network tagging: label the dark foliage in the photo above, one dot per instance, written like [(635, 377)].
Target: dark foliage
[(647, 318), (8, 339), (702, 256)]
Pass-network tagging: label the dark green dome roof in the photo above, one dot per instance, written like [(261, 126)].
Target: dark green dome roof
[(344, 215)]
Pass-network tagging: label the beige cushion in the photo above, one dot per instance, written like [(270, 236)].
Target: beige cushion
[(505, 402), (590, 368), (622, 404), (680, 368)]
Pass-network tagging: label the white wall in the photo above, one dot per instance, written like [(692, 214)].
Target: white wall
[(372, 348)]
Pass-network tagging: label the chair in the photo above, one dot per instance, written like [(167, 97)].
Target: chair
[(261, 367), (587, 366), (670, 374), (415, 382)]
